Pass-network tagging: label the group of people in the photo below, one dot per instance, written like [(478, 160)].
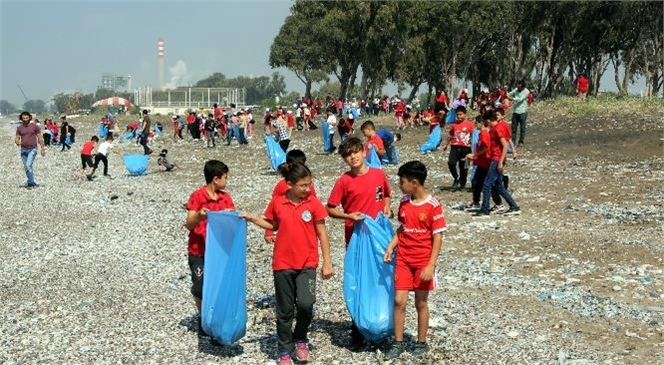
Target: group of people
[(298, 217)]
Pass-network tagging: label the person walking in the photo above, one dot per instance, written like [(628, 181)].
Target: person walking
[(28, 135)]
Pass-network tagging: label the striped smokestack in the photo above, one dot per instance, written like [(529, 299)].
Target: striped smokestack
[(160, 55)]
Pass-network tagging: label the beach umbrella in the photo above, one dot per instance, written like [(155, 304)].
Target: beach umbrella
[(113, 101)]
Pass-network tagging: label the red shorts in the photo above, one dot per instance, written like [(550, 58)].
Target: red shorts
[(407, 277)]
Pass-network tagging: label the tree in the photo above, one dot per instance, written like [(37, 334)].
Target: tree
[(7, 108), (35, 106)]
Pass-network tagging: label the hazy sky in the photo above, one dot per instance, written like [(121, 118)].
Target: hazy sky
[(63, 46)]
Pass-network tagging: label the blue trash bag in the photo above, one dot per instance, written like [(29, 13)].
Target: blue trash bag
[(450, 117), (325, 134), (475, 137), (103, 131), (276, 155), (433, 142), (372, 158), (137, 165), (224, 305), (368, 281)]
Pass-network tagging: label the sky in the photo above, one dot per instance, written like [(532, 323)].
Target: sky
[(48, 47)]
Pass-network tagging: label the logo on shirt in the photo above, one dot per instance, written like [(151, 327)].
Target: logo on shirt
[(306, 216), (422, 217), (379, 193)]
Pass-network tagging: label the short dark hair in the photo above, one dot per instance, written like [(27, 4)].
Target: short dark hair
[(109, 137), (94, 139), (398, 136), (294, 172), (25, 113), (350, 145), (500, 110), (461, 108), (214, 168), (413, 170), (368, 125), (296, 156), (489, 115)]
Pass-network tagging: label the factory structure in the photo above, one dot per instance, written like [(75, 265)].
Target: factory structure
[(177, 100)]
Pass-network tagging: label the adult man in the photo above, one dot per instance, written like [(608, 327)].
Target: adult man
[(27, 136), (520, 98)]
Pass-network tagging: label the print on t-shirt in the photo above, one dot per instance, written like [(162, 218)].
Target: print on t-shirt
[(379, 193)]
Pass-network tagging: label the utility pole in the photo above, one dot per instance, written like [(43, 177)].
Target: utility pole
[(22, 92)]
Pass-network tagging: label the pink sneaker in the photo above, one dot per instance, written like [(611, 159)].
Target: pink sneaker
[(285, 359), (302, 351)]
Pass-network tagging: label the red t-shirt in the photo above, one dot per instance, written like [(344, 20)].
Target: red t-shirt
[(435, 121), (441, 98), (201, 199), (291, 120), (376, 142), (361, 193), (484, 140), (87, 148), (419, 222), (296, 246), (461, 133), (399, 109), (582, 84), (501, 130)]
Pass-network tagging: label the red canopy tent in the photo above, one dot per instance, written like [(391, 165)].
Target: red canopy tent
[(113, 101)]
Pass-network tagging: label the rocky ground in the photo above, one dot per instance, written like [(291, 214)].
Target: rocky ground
[(96, 272)]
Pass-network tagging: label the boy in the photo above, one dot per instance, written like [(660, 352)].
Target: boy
[(481, 161), (332, 126), (103, 150), (361, 191), (208, 198), (460, 139), (86, 155), (388, 139), (418, 242), (500, 134), (373, 139), (164, 162)]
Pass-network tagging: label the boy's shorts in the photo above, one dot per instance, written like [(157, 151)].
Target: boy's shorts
[(86, 161), (196, 267), (407, 277)]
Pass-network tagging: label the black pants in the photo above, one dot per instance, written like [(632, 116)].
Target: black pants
[(458, 157), (102, 158), (519, 124), (294, 288), (284, 144), (143, 140), (478, 185)]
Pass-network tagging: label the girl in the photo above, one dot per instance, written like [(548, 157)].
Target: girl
[(300, 219)]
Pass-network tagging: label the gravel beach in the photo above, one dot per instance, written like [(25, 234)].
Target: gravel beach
[(96, 272)]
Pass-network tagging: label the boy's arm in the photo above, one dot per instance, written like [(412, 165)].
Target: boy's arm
[(428, 271), (260, 221), (193, 217), (335, 212), (393, 244), (387, 207), (503, 155), (321, 231)]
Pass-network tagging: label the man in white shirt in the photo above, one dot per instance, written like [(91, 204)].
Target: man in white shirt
[(332, 126)]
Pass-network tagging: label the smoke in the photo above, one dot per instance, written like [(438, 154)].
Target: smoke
[(179, 75)]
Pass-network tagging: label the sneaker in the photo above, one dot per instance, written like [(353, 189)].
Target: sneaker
[(89, 177), (455, 186), (285, 359), (520, 145), (498, 208), (395, 351), (419, 349), (473, 207), (481, 213), (302, 351), (515, 210)]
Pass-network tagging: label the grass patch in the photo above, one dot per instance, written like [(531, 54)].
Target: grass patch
[(606, 104)]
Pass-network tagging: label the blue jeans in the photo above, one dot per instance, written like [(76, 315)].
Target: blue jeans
[(519, 123), (28, 157), (495, 177)]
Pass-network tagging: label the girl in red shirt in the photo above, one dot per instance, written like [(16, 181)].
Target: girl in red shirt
[(300, 219)]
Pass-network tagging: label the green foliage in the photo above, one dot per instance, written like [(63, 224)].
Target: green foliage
[(7, 108), (256, 88), (35, 106)]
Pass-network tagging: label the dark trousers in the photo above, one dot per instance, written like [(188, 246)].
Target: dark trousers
[(242, 138), (102, 158), (294, 289), (210, 138), (143, 140), (458, 157), (478, 186), (519, 122), (495, 178), (284, 144)]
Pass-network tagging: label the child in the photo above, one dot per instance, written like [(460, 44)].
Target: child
[(208, 198), (332, 126), (480, 158), (300, 218), (293, 156), (86, 155), (103, 150), (373, 139), (361, 191), (388, 139), (417, 242), (460, 139), (164, 162)]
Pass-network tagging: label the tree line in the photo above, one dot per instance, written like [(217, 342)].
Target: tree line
[(439, 44)]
